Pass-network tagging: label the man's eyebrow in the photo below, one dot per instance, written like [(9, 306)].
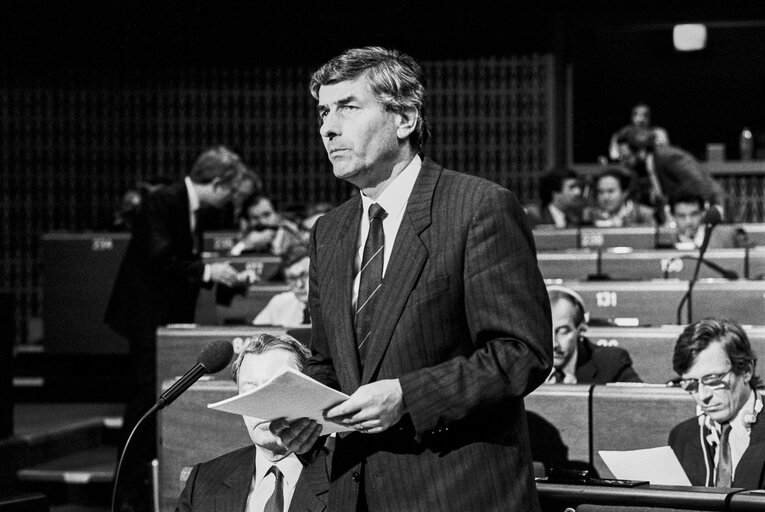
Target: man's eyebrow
[(341, 102)]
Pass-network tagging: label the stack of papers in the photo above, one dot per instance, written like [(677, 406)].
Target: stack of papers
[(289, 394)]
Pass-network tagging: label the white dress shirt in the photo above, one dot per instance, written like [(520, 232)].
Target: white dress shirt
[(262, 485), (393, 200)]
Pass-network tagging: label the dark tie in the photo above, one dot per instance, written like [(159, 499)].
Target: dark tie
[(559, 376), (725, 463), (306, 315), (276, 502), (371, 278)]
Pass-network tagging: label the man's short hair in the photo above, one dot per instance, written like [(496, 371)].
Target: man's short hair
[(293, 254), (558, 292), (637, 138), (620, 174), (552, 182), (217, 162), (394, 78), (686, 198), (264, 343), (696, 337)]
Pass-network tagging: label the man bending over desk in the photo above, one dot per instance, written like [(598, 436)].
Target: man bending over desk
[(575, 358), (724, 445)]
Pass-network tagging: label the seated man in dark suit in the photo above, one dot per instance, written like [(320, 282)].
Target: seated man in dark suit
[(724, 446), (265, 476), (560, 191), (575, 358)]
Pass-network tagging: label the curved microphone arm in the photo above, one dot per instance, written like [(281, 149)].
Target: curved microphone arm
[(712, 217)]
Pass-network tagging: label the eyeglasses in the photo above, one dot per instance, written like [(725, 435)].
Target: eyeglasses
[(712, 381)]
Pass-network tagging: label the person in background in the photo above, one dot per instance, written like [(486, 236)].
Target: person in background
[(290, 308), (312, 214), (266, 476), (640, 117), (263, 230), (576, 360), (614, 207), (688, 213), (724, 445), (666, 172), (158, 283), (562, 202)]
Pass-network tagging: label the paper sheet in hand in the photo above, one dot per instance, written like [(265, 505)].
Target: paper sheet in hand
[(657, 465), (289, 394)]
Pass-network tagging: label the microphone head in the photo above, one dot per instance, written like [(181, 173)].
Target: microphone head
[(711, 216), (216, 356)]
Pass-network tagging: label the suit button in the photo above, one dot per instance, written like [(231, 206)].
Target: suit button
[(356, 477)]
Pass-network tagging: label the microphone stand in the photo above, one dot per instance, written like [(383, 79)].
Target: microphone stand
[(154, 408), (692, 282)]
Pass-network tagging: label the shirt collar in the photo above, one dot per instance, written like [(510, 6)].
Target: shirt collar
[(192, 192), (290, 466), (394, 198)]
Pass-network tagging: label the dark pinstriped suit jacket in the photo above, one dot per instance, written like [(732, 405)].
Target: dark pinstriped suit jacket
[(464, 323), (223, 485)]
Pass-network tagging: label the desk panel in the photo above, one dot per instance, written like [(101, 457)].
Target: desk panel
[(192, 433), (655, 302), (557, 497), (179, 347), (559, 424), (637, 237), (632, 417)]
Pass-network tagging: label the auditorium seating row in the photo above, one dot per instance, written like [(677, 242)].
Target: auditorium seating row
[(569, 424)]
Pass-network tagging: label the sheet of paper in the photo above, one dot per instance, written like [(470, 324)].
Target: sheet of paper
[(657, 465), (289, 394)]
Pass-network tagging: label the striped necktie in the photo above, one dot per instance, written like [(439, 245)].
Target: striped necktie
[(724, 462), (371, 278), (276, 502)]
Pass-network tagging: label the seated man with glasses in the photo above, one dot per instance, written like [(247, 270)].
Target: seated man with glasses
[(724, 446), (290, 308)]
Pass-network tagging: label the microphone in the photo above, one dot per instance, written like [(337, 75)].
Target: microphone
[(213, 359), (724, 272), (742, 240), (710, 218)]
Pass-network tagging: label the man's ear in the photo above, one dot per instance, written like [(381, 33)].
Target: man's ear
[(407, 122)]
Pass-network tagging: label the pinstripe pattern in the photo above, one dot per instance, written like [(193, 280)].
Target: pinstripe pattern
[(463, 324), (371, 279)]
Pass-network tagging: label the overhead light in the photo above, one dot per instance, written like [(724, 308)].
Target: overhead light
[(689, 37)]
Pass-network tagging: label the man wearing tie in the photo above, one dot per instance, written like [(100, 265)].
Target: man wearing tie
[(264, 477), (158, 284), (724, 446), (428, 309)]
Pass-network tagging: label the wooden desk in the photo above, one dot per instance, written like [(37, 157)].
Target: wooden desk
[(557, 497), (655, 302), (559, 424), (192, 433), (179, 347), (651, 348), (631, 417)]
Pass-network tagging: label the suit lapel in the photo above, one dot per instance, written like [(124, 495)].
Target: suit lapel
[(406, 263), (585, 368), (235, 487), (338, 288)]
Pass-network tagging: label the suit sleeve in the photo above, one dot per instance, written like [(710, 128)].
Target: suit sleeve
[(320, 365), (626, 372), (184, 501), (163, 248), (508, 316)]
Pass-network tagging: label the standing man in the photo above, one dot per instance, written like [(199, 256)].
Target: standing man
[(159, 281), (428, 309)]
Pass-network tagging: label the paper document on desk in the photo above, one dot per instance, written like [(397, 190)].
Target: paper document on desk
[(289, 394), (657, 465)]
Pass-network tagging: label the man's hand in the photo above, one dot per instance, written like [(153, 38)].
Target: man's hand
[(372, 409), (223, 273), (258, 240), (297, 436)]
